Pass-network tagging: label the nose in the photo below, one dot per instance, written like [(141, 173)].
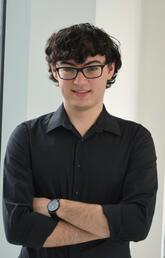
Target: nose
[(80, 78)]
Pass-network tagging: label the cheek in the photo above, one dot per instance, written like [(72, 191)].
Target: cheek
[(100, 85), (65, 88)]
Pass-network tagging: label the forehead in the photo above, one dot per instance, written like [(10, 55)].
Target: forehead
[(98, 59)]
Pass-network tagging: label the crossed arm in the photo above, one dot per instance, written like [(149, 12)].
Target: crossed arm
[(80, 222)]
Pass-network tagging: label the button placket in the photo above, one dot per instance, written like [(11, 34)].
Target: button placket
[(77, 167)]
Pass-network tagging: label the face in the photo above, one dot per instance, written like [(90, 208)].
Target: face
[(81, 93)]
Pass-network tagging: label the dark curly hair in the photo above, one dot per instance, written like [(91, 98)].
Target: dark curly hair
[(79, 41)]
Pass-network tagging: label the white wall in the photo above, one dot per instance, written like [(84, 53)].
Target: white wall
[(46, 18), (151, 104), (139, 93), (122, 19)]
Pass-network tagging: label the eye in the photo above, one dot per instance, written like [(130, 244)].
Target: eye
[(92, 68), (68, 69)]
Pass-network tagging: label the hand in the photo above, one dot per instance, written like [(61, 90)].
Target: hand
[(40, 205)]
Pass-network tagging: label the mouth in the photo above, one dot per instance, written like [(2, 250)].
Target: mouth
[(81, 92)]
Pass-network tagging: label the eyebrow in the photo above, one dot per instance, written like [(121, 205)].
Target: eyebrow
[(73, 64)]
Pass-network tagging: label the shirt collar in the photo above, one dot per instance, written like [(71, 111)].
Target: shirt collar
[(59, 118), (105, 121)]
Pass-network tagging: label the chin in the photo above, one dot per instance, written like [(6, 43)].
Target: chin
[(82, 107)]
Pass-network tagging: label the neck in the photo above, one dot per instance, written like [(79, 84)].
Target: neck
[(83, 119)]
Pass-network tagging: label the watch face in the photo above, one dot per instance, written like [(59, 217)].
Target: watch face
[(53, 205)]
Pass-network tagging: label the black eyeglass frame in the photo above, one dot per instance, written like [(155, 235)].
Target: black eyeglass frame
[(81, 70)]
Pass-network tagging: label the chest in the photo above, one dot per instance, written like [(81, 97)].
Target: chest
[(93, 168)]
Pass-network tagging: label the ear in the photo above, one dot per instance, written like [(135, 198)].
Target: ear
[(111, 70), (54, 72)]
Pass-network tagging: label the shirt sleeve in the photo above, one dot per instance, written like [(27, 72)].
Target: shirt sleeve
[(131, 218), (22, 225)]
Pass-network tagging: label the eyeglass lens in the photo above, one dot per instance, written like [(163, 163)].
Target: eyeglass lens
[(88, 72)]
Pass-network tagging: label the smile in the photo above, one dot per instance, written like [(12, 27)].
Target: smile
[(81, 92)]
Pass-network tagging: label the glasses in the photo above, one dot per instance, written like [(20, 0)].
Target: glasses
[(90, 72)]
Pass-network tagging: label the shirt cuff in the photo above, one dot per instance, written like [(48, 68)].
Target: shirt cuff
[(42, 227), (113, 215)]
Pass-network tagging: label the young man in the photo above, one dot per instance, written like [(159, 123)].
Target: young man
[(79, 182)]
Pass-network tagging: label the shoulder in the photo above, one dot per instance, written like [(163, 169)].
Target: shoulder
[(137, 135), (35, 125), (132, 133), (131, 128), (138, 139), (38, 122)]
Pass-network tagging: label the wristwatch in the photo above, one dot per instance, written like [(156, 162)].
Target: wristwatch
[(53, 206)]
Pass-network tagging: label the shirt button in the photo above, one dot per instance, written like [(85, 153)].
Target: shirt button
[(77, 193), (78, 165)]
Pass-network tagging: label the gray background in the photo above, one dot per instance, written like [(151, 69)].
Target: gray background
[(138, 93)]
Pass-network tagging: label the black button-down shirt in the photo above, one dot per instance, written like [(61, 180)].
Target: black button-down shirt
[(114, 165)]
